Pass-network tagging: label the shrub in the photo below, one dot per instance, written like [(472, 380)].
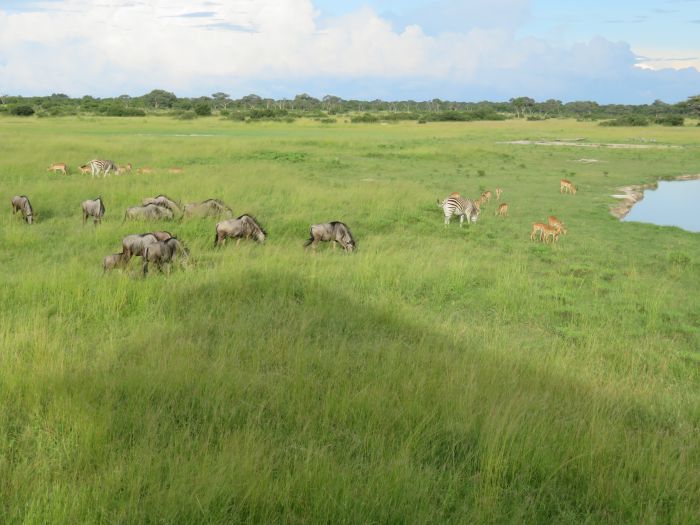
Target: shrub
[(22, 111), (670, 120), (366, 118), (121, 111), (627, 120), (186, 115), (203, 109)]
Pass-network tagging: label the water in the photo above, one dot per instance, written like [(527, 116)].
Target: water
[(673, 203)]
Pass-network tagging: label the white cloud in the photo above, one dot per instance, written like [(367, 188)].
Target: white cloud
[(273, 46)]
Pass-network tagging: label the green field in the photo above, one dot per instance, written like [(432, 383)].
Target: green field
[(459, 375)]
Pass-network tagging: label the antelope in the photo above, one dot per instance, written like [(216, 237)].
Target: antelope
[(486, 196), (126, 168), (85, 169), (502, 210), (58, 166), (537, 227), (567, 185), (549, 231), (556, 223), (145, 170), (175, 170), (498, 193)]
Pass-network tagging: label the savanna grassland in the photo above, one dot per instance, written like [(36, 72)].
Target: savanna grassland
[(435, 376)]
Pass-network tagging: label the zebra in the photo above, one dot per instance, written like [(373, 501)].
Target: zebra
[(104, 166), (456, 205)]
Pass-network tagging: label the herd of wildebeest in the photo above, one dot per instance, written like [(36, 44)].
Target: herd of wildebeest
[(161, 248)]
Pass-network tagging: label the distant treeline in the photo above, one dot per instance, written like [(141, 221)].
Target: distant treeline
[(329, 108)]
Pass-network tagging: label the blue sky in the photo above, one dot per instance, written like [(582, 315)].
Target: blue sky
[(626, 52)]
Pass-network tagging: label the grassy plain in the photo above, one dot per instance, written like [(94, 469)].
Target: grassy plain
[(435, 376)]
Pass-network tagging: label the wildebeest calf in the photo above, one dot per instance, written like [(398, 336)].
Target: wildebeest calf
[(335, 232), (116, 260)]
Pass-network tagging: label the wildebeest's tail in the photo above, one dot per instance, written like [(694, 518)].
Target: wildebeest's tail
[(216, 238)]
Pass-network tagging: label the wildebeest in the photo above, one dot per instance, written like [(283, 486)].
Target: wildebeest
[(208, 208), (164, 201), (243, 227), (163, 252), (93, 208), (116, 260), (335, 232), (149, 212), (162, 235), (21, 203), (134, 245)]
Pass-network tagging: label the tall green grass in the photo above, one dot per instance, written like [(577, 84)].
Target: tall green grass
[(436, 375)]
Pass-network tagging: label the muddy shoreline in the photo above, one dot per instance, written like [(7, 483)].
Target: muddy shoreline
[(631, 195)]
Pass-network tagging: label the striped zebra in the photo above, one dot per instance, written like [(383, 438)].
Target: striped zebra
[(456, 205), (102, 166)]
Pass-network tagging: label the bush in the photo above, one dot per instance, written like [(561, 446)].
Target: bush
[(121, 111), (627, 120), (366, 118), (670, 120), (186, 115), (203, 109), (22, 111)]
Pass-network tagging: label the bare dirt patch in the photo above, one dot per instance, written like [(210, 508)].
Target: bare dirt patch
[(588, 144)]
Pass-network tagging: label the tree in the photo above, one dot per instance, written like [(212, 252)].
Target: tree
[(693, 104), (221, 100), (159, 98), (251, 100), (522, 105)]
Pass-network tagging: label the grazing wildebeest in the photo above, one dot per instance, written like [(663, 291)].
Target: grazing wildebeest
[(116, 260), (21, 203), (164, 201), (163, 252), (134, 245), (162, 235), (335, 232), (93, 208), (243, 227), (208, 208), (58, 166), (150, 212)]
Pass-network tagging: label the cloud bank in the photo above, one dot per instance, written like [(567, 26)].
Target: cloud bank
[(283, 47)]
